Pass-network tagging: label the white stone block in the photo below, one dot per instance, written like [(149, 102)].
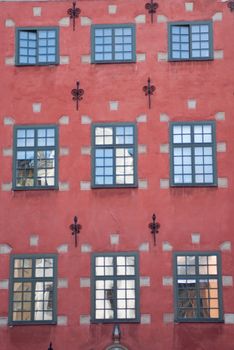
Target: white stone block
[(144, 281), (112, 9), (64, 120), (4, 284), (141, 118), (164, 184), (227, 281), (168, 318), (64, 151), (220, 116), (5, 249), (7, 187), (229, 318), (8, 121), (142, 149), (86, 248), (188, 6), (114, 238), (62, 321), (36, 107), (33, 240), (195, 238), (167, 281), (85, 150), (142, 184), (162, 19), (36, 11), (222, 182), (144, 247), (140, 19), (164, 148), (10, 61), (114, 105), (218, 16), (164, 117), (192, 104), (145, 319), (162, 56), (218, 54), (85, 59), (63, 248), (85, 185), (85, 319), (226, 246), (140, 57), (221, 147), (84, 282), (64, 186), (62, 283), (85, 119), (64, 22), (64, 59), (85, 21), (7, 152), (3, 321), (9, 23), (166, 247)]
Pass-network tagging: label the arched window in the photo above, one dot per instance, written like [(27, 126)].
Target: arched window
[(116, 347)]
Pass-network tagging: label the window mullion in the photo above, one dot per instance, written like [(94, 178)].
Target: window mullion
[(113, 43), (190, 41)]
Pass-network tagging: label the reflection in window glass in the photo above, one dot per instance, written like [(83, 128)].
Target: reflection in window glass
[(37, 46), (193, 153), (190, 41), (33, 284), (35, 163), (115, 285), (114, 155), (197, 287)]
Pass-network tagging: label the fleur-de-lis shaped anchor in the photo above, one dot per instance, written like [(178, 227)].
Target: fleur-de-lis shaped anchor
[(231, 5), (151, 7), (77, 94), (149, 90), (74, 13), (154, 226), (75, 228)]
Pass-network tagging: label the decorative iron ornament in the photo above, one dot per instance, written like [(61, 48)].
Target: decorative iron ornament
[(230, 4), (74, 13), (154, 226), (50, 347), (75, 228), (116, 334), (77, 94), (149, 90), (151, 7)]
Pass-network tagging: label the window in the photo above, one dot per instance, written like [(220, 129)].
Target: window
[(115, 287), (113, 43), (114, 155), (35, 157), (197, 287), (190, 41), (33, 289), (37, 46), (193, 150)]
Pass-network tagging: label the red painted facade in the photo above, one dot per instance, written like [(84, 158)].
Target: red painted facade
[(126, 212)]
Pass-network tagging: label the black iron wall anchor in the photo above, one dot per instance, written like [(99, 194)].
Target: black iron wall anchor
[(151, 7), (149, 90), (154, 226), (74, 13), (230, 4), (75, 228), (77, 94), (50, 347)]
